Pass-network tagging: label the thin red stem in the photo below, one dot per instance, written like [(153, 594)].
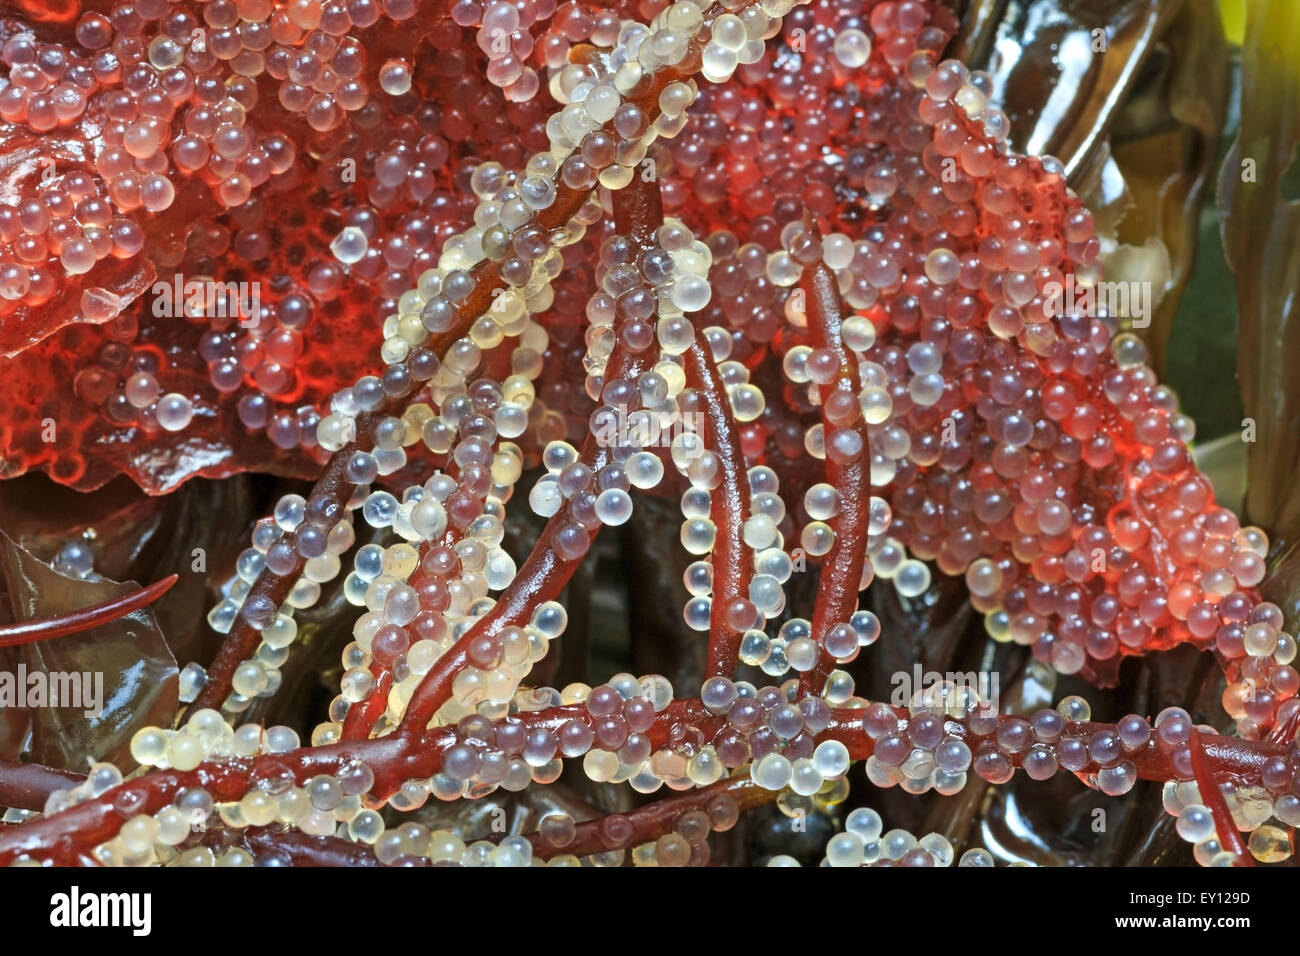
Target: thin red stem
[(542, 578), (732, 565), (841, 572), (653, 820), (26, 786), (1285, 730), (306, 850), (363, 715), (83, 619), (1212, 796)]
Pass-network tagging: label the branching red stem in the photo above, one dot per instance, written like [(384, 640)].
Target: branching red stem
[(637, 210), (243, 640), (402, 756)]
